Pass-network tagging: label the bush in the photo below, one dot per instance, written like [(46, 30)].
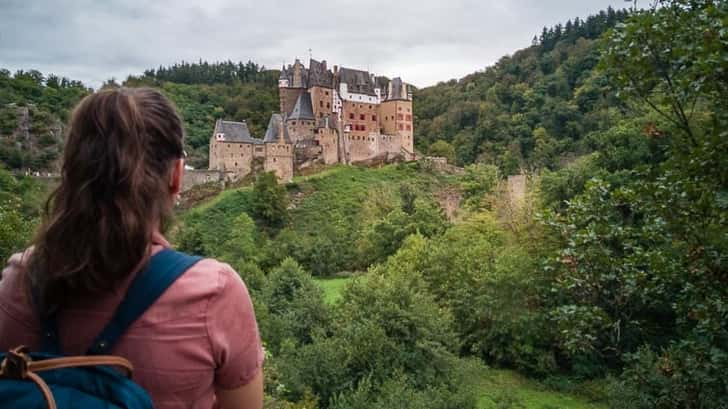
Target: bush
[(295, 306), (270, 201)]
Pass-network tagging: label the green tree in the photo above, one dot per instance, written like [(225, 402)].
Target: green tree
[(270, 201), (294, 306), (443, 149)]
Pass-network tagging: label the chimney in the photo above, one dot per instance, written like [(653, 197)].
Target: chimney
[(336, 69)]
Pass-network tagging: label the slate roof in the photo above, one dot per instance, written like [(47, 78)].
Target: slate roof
[(275, 126), (235, 132), (303, 108), (319, 75), (381, 83), (397, 89), (358, 81)]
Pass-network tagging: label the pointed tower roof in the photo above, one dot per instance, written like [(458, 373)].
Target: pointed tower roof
[(277, 130), (284, 74), (303, 108)]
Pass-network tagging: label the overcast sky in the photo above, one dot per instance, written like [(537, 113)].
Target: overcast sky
[(423, 41)]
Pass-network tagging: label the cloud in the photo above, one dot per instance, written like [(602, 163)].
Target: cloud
[(422, 41)]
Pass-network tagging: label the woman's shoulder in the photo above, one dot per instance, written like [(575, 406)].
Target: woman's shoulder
[(203, 283), (210, 274), (13, 293)]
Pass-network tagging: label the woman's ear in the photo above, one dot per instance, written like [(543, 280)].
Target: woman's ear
[(175, 184)]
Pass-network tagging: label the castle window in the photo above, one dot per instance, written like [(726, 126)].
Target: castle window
[(327, 92), (409, 117), (321, 104), (294, 123), (370, 107), (400, 108), (401, 127), (236, 164), (363, 127), (362, 117), (409, 127), (328, 105), (400, 117), (351, 115), (374, 117)]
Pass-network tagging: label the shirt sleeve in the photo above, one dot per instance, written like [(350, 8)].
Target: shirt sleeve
[(233, 333)]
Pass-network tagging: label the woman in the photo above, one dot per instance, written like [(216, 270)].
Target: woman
[(197, 346)]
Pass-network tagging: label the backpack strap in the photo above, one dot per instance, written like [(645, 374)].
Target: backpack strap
[(164, 268)]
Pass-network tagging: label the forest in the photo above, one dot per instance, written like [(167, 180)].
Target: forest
[(202, 92), (532, 110), (605, 284)]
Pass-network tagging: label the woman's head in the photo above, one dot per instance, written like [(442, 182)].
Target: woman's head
[(121, 171)]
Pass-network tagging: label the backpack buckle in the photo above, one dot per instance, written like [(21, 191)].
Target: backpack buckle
[(16, 363)]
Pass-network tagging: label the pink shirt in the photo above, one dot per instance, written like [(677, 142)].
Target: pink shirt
[(199, 335)]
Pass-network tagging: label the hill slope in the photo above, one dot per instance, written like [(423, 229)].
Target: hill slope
[(529, 109)]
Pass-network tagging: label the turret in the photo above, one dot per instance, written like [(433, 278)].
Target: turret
[(283, 78)]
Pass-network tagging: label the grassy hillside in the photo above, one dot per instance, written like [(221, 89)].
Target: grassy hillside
[(330, 215)]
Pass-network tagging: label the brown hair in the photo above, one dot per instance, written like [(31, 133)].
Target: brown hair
[(114, 194)]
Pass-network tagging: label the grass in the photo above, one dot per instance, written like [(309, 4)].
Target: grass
[(332, 287), (497, 387), (328, 213)]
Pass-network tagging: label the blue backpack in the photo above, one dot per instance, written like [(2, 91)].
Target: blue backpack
[(47, 379)]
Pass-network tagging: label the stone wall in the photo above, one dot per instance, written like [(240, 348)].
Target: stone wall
[(328, 141), (360, 115), (199, 177), (279, 159), (300, 130), (322, 100), (390, 144), (232, 156)]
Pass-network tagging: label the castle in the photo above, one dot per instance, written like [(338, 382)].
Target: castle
[(327, 116)]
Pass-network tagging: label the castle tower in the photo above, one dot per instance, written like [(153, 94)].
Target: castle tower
[(278, 149), (301, 121), (283, 81), (396, 117)]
